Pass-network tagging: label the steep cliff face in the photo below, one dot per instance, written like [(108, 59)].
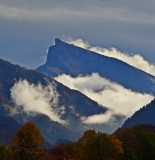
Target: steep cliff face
[(68, 59)]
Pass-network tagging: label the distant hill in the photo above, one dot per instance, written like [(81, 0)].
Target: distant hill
[(143, 116), (145, 127)]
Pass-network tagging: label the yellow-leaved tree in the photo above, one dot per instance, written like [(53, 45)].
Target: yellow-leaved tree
[(27, 143)]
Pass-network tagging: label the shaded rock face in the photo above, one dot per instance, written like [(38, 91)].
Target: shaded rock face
[(68, 59), (146, 115), (81, 105)]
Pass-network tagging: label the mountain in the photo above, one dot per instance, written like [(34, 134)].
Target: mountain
[(76, 105), (68, 59), (143, 116), (8, 128)]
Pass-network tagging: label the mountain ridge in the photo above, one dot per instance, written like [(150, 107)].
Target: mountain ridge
[(11, 74), (64, 58), (143, 116)]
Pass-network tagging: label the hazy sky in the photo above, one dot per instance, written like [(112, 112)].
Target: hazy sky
[(27, 28)]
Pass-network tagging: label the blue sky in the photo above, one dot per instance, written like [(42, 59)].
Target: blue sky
[(28, 28)]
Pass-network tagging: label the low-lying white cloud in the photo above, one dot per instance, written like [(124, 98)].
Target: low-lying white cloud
[(119, 100), (32, 98), (99, 118), (135, 60)]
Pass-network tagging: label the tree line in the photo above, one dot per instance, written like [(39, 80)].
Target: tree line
[(136, 143)]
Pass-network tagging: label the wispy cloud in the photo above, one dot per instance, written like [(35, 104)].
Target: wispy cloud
[(55, 11), (37, 99), (98, 118), (135, 60), (119, 100)]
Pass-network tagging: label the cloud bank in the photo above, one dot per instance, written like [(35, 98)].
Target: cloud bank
[(32, 98), (135, 60), (118, 100)]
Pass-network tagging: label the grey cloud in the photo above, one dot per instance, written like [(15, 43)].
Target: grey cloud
[(114, 10), (29, 27)]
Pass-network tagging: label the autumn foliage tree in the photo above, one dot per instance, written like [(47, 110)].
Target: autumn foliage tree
[(138, 142), (98, 146), (27, 143), (61, 152)]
